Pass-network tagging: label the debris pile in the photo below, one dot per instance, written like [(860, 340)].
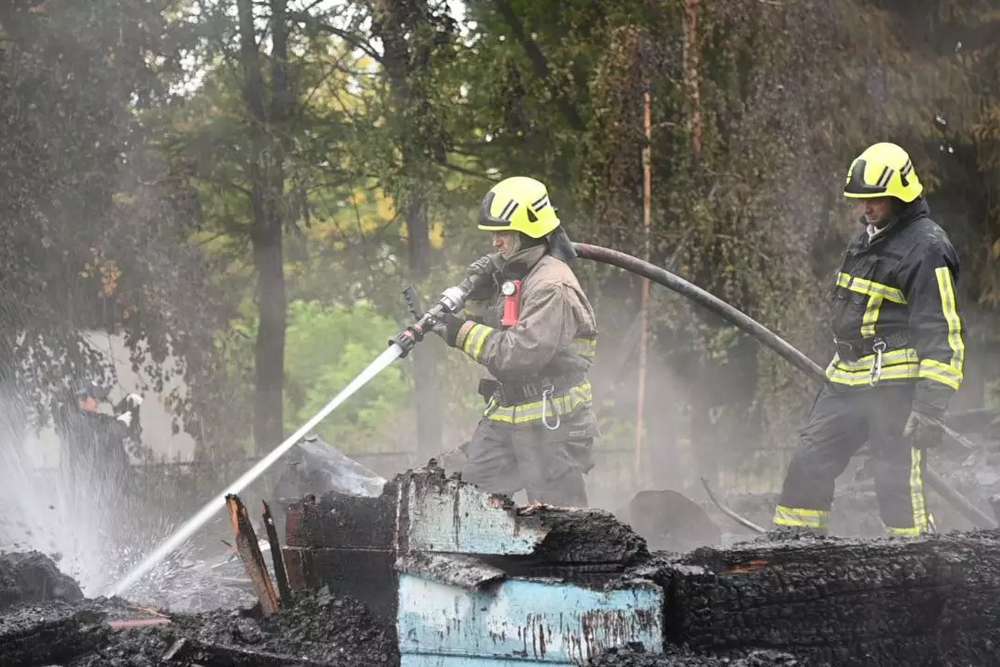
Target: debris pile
[(434, 571), (462, 574), (673, 656), (319, 629), (33, 577)]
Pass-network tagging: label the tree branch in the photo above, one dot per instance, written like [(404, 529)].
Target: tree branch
[(353, 40), (539, 62)]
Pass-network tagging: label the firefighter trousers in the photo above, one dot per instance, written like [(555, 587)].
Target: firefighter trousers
[(548, 465), (841, 421)]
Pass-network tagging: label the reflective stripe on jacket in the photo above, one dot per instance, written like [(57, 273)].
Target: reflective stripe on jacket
[(900, 287)]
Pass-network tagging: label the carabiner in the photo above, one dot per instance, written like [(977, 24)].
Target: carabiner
[(878, 347), (546, 399)]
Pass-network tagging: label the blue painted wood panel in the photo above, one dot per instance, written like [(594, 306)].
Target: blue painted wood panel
[(523, 621)]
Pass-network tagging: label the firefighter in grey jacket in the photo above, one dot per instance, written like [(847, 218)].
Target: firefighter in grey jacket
[(900, 353), (536, 334)]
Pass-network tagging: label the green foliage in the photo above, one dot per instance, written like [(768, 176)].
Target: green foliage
[(326, 347)]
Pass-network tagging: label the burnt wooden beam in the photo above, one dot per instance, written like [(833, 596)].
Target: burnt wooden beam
[(253, 559), (276, 558)]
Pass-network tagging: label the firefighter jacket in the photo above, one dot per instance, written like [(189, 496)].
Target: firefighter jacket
[(94, 443), (551, 348), (895, 311)]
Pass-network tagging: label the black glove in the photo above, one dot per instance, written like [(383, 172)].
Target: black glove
[(485, 268), (447, 326), (923, 433)]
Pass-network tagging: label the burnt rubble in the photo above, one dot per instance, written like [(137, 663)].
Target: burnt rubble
[(33, 577), (829, 601), (679, 656), (430, 545), (319, 629)]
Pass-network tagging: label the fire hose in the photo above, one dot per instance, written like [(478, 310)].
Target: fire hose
[(779, 345)]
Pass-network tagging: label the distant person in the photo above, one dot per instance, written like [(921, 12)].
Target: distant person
[(94, 444), (534, 330), (900, 353)]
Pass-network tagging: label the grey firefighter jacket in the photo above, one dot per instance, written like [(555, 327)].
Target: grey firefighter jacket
[(553, 343), (899, 289)]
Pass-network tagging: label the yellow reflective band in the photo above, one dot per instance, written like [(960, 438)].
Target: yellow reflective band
[(943, 373), (901, 372), (801, 518), (585, 347), (946, 288), (917, 499), (870, 288), (922, 520), (871, 316), (581, 394), (475, 340), (896, 365)]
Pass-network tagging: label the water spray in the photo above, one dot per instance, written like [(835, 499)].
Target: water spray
[(451, 301)]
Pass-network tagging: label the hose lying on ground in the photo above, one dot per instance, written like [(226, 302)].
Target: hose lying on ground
[(775, 343)]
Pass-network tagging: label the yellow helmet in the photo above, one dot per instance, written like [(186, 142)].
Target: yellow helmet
[(518, 204), (883, 170)]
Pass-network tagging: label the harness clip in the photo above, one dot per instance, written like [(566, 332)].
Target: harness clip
[(546, 400), (878, 347)]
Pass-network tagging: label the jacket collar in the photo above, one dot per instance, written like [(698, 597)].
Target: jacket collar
[(523, 261), (916, 209)]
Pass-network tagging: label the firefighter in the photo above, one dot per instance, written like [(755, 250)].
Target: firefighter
[(95, 458), (534, 330), (900, 353)]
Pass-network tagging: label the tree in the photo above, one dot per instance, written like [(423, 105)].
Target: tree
[(266, 174), (92, 221), (411, 31)]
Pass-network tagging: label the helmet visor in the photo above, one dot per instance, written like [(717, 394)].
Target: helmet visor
[(488, 221), (858, 188)]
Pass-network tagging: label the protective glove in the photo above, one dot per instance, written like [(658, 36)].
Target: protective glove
[(922, 433), (447, 326), (486, 266), (125, 418)]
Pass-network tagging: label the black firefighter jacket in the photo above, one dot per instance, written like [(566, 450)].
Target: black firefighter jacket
[(898, 289)]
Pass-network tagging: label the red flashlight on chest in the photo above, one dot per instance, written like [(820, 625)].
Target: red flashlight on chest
[(511, 290)]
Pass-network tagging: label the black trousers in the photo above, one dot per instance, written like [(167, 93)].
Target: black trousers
[(548, 465), (841, 421)]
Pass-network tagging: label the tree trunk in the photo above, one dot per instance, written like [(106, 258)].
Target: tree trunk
[(427, 358), (267, 184), (692, 74), (647, 223), (395, 25)]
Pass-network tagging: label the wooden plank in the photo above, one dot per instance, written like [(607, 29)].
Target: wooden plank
[(253, 559), (276, 558), (532, 621)]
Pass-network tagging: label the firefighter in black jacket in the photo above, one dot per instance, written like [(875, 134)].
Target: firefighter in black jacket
[(95, 457), (900, 353)]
